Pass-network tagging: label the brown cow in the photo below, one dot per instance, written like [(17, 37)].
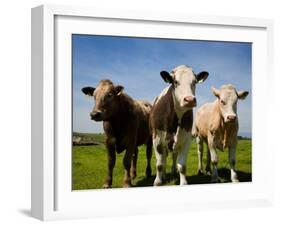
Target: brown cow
[(216, 124), (126, 126)]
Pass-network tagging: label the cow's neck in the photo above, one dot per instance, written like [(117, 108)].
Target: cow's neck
[(178, 110), (217, 107), (225, 128), (123, 111)]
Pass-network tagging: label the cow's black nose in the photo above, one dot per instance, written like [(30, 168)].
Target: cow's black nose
[(96, 115)]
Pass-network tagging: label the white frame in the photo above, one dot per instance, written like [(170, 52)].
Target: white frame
[(44, 122)]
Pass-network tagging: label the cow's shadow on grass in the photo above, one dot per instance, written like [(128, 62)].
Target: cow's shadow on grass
[(242, 176), (171, 179), (145, 181), (224, 176)]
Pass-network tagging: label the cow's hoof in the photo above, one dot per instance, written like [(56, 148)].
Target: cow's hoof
[(157, 182), (214, 180), (200, 172), (127, 185), (234, 177), (182, 183), (106, 186), (235, 180), (208, 173), (133, 175), (148, 172), (174, 172)]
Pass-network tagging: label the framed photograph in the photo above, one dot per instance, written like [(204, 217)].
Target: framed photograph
[(138, 112)]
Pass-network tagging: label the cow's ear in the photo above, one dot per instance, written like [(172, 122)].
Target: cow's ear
[(166, 76), (89, 91), (242, 94), (118, 89), (216, 92), (202, 76)]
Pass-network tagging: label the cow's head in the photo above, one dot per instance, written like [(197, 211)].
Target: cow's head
[(228, 97), (183, 81), (106, 96)]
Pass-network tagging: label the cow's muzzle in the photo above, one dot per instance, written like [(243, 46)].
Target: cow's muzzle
[(190, 101), (231, 118), (97, 115)]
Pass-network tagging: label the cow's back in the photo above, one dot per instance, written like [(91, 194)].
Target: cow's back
[(143, 109)]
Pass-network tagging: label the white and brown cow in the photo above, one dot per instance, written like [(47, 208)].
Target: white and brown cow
[(216, 124), (171, 119), (126, 126)]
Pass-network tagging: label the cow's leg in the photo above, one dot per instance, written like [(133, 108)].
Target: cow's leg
[(134, 163), (214, 158), (160, 166), (200, 150), (110, 143), (181, 146), (148, 157), (170, 146), (160, 153), (208, 165), (232, 161), (127, 165), (174, 165), (164, 163)]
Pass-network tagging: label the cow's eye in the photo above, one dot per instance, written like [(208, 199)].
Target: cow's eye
[(109, 96), (222, 102), (176, 82)]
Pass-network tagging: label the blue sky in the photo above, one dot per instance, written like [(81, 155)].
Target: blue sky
[(135, 63)]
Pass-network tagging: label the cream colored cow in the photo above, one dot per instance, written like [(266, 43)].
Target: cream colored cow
[(216, 124)]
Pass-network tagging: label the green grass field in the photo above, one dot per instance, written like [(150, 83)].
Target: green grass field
[(89, 166)]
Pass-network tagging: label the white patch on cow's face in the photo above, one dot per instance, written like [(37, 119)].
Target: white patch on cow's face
[(227, 97), (184, 87), (228, 104)]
